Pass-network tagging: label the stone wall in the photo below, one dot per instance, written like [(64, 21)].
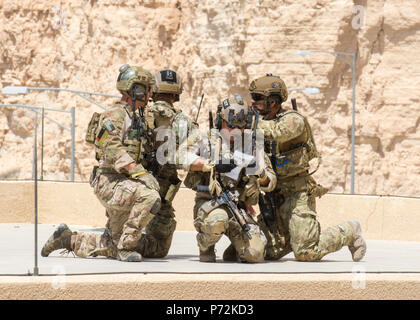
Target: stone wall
[(218, 48)]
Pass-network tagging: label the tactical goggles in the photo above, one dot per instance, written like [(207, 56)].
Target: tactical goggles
[(235, 125), (257, 96)]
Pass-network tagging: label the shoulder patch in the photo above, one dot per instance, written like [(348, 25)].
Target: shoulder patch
[(109, 126)]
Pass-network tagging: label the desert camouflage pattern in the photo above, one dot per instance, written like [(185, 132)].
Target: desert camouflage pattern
[(294, 143), (130, 204), (167, 116), (130, 207), (157, 239), (212, 221), (287, 126), (297, 229), (212, 225), (270, 84), (117, 149), (170, 84)]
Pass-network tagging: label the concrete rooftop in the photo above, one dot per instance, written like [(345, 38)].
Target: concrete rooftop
[(17, 248)]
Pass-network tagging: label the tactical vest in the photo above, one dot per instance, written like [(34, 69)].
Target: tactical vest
[(137, 145), (158, 115), (92, 133), (292, 157), (167, 117), (195, 178)]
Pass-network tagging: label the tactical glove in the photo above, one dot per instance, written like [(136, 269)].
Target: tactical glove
[(224, 167), (141, 174)]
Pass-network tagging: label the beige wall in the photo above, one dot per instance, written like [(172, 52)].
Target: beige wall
[(48, 43), (382, 218), (211, 286)]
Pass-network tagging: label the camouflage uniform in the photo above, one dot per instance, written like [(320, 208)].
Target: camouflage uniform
[(158, 236), (123, 182), (212, 220), (130, 204), (289, 140)]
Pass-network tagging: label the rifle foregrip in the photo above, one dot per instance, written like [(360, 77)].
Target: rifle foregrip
[(211, 120)]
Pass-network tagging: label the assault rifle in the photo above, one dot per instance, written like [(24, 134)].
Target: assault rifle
[(267, 207), (140, 129), (230, 199)]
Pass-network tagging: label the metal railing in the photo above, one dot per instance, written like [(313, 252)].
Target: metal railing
[(15, 90), (41, 111), (86, 95)]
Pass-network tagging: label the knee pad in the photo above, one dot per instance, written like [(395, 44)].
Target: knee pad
[(216, 227), (306, 256), (216, 222), (252, 255), (161, 227)]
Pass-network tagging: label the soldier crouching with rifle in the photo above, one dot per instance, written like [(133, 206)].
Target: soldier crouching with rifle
[(225, 189), (122, 181), (164, 115), (289, 214)]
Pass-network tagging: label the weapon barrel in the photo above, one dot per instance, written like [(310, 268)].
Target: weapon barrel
[(199, 107), (266, 211), (210, 120), (294, 104), (238, 214)]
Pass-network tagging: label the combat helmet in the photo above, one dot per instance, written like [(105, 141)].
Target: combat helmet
[(235, 111), (168, 81), (131, 75), (264, 87)]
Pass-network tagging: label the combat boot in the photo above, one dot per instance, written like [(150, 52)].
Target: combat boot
[(208, 255), (60, 239), (358, 246), (230, 254), (128, 256)]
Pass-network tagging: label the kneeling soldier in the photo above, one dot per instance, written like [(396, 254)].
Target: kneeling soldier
[(123, 181), (225, 190)]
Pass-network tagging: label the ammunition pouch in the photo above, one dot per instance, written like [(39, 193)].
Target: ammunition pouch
[(92, 132), (94, 176), (133, 148), (295, 161), (172, 191), (92, 128), (292, 162)]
